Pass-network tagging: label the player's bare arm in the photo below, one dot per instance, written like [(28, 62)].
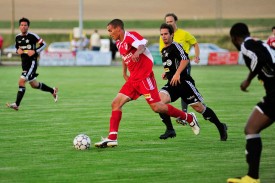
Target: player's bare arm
[(245, 84), (140, 50), (197, 53), (176, 78), (124, 71)]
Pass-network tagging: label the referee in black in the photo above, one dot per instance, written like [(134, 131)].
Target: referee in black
[(260, 61), (28, 46), (180, 84)]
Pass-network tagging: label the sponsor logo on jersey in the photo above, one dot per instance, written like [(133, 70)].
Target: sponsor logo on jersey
[(148, 96), (127, 57), (191, 97), (166, 70), (29, 46), (169, 62), (125, 46)]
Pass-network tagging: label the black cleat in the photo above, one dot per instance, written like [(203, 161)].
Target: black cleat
[(223, 132), (168, 134)]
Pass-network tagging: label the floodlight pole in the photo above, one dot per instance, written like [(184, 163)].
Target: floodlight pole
[(12, 17), (80, 22)]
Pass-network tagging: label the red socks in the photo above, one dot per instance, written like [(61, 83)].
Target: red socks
[(174, 112), (114, 124)]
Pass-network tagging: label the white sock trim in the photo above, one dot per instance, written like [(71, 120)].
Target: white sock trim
[(252, 136), (259, 109), (113, 133)]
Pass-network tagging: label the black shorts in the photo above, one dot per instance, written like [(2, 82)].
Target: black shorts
[(187, 91), (29, 72), (267, 105)]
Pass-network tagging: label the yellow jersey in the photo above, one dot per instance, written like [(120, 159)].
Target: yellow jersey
[(184, 38)]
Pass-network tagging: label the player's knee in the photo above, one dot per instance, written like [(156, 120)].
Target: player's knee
[(155, 108), (250, 130), (198, 107)]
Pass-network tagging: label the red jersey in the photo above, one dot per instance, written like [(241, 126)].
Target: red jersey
[(271, 41), (141, 69)]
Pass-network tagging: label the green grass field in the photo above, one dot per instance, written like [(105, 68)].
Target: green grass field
[(36, 141)]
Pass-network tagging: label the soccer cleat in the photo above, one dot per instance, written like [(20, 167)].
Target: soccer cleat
[(223, 132), (55, 96), (105, 142), (194, 124), (245, 179), (181, 122), (13, 106), (167, 134)]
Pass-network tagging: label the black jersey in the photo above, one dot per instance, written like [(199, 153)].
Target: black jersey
[(172, 55), (260, 60), (29, 42)]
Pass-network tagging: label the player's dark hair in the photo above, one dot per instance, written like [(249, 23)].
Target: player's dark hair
[(171, 15), (239, 30), (167, 26), (117, 23), (273, 28), (23, 19)]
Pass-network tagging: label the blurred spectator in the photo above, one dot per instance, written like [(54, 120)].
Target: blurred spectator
[(1, 43), (80, 43), (95, 41), (113, 48), (271, 39)]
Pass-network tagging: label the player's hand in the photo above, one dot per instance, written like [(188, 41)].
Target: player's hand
[(135, 57), (126, 77), (163, 76), (20, 51), (175, 80), (244, 85), (31, 53), (197, 60)]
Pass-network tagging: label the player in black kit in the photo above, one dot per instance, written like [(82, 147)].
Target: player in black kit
[(181, 85), (260, 61), (26, 45)]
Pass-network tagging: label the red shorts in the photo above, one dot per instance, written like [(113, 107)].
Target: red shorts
[(147, 87)]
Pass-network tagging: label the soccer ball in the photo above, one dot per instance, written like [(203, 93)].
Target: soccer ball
[(82, 142)]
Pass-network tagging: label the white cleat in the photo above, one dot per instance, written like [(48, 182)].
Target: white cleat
[(105, 142), (194, 124), (12, 106)]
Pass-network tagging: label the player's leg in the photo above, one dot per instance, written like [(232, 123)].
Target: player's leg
[(43, 87), (255, 124), (184, 105), (116, 115), (20, 94), (211, 116), (168, 109), (169, 132), (192, 96), (149, 89), (126, 94)]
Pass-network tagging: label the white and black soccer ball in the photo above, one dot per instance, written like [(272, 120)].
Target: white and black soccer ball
[(82, 142)]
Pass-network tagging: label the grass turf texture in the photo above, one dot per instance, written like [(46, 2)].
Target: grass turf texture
[(36, 141)]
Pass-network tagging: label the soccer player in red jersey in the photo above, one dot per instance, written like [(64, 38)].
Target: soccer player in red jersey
[(271, 39), (141, 81)]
